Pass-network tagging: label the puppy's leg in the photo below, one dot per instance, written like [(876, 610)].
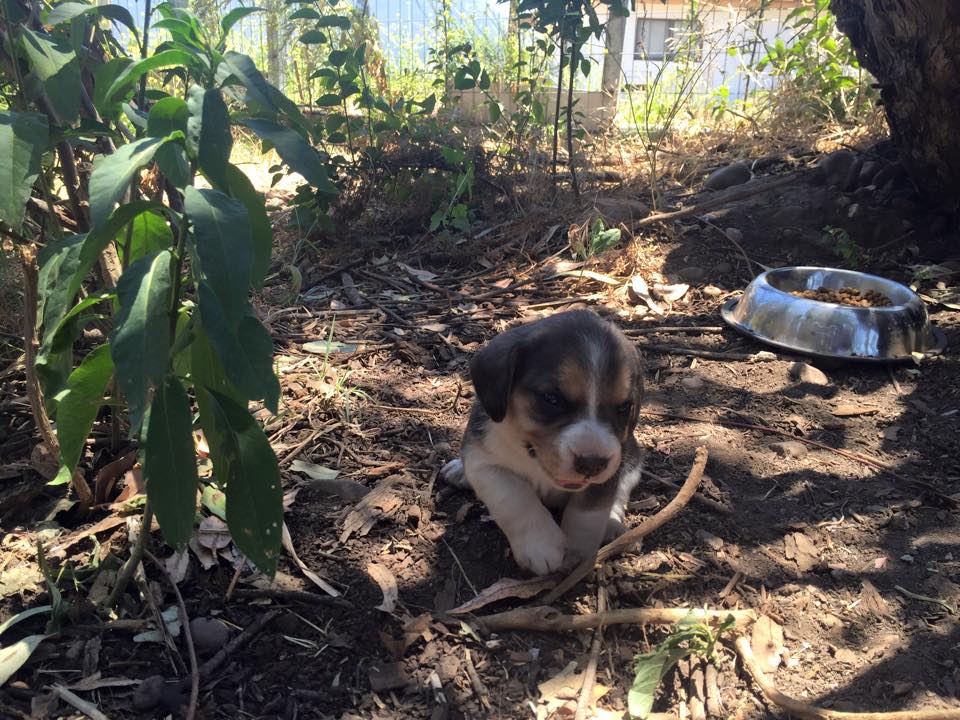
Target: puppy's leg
[(453, 474), (585, 521), (629, 478), (535, 539)]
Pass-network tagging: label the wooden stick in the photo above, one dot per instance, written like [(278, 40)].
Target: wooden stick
[(740, 193), (703, 499), (801, 709), (590, 672), (678, 329), (187, 636), (548, 619), (761, 356), (634, 535)]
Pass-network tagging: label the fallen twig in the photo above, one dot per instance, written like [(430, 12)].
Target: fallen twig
[(702, 499), (548, 619), (849, 454), (78, 703), (590, 671), (676, 329), (760, 356), (211, 665), (478, 688), (298, 596), (187, 637), (634, 535), (800, 709), (740, 193)]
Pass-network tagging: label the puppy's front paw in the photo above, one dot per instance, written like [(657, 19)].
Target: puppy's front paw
[(454, 474), (540, 550)]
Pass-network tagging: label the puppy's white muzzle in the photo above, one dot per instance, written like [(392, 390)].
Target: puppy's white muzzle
[(589, 453)]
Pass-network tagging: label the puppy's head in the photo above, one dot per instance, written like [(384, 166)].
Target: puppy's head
[(570, 387)]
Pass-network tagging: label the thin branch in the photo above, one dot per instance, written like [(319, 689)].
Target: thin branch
[(548, 619), (634, 535), (28, 263), (136, 555)]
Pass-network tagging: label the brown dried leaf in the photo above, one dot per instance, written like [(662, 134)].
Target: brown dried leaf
[(287, 543), (413, 630), (107, 476), (853, 410), (507, 588), (767, 643), (670, 293), (380, 503), (213, 533), (799, 548), (206, 556), (388, 586), (872, 601), (95, 682), (108, 523)]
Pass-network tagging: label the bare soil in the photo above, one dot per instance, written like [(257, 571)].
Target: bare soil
[(859, 565)]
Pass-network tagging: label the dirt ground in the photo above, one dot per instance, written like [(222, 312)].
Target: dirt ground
[(860, 566)]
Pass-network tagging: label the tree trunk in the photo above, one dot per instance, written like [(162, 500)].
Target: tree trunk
[(274, 12), (613, 64), (912, 47)]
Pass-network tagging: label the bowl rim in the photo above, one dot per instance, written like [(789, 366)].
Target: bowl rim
[(762, 278), (726, 312)]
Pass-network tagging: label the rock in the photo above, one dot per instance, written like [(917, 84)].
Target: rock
[(789, 215), (868, 171), (847, 657), (692, 274), (723, 268), (710, 540), (209, 635), (149, 692), (899, 688), (790, 449), (734, 174), (836, 167), (711, 291), (694, 383), (621, 210), (808, 374)]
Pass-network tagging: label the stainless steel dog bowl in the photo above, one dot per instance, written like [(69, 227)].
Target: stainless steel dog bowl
[(769, 313)]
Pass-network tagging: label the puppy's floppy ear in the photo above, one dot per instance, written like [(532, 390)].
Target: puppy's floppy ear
[(493, 368), (638, 366)]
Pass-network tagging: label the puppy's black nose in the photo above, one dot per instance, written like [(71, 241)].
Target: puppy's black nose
[(590, 465)]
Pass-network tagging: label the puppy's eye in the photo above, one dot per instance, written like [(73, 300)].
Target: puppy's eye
[(551, 398), (625, 408)]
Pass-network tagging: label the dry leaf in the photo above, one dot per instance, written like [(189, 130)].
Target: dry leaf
[(413, 630), (799, 548), (767, 643), (206, 556), (213, 533), (289, 497), (317, 472), (108, 523), (388, 586), (95, 682), (424, 275), (853, 410), (872, 601), (107, 476), (177, 566), (507, 588), (565, 686), (638, 292), (380, 503), (287, 542), (670, 293)]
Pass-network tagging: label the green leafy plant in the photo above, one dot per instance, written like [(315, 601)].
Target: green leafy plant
[(819, 62), (691, 637), (599, 239), (176, 262)]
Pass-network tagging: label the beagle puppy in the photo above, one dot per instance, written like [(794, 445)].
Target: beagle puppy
[(557, 401)]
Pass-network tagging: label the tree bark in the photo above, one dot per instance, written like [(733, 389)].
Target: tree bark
[(613, 63), (912, 47)]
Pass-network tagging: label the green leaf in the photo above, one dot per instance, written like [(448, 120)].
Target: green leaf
[(328, 100), (245, 464), (313, 37), (305, 14), (167, 116), (215, 501), (14, 656), (235, 16), (209, 128), (222, 247), (132, 73), (77, 408), (56, 66), (261, 232), (295, 151), (64, 12), (649, 671), (59, 279), (21, 616), (338, 58), (23, 140), (112, 174), (334, 21), (61, 337), (207, 371), (103, 78), (173, 163), (140, 342), (149, 233), (169, 461), (246, 353)]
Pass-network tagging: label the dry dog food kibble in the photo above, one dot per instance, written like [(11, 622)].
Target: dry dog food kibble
[(845, 296)]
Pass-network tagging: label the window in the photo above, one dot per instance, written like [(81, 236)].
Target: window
[(659, 38)]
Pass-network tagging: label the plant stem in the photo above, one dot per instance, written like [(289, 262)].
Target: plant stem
[(144, 47), (556, 113), (570, 161), (136, 555), (28, 260)]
